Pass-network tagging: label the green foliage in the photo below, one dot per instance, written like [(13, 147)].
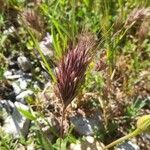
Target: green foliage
[(41, 54), (63, 143), (43, 140), (94, 81), (133, 110), (1, 73), (2, 22), (6, 141), (15, 3), (27, 114)]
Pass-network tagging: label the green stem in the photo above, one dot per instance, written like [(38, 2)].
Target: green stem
[(61, 128), (130, 135)]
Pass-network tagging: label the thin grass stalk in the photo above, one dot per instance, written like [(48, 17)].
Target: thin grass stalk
[(40, 52), (131, 135), (73, 22)]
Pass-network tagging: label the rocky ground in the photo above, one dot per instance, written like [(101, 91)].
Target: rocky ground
[(20, 85)]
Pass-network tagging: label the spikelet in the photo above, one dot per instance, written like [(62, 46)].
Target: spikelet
[(71, 69), (137, 16), (32, 19)]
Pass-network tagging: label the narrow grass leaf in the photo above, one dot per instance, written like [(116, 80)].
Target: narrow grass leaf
[(27, 114)]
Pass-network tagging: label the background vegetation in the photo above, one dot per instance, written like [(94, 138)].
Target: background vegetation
[(117, 80)]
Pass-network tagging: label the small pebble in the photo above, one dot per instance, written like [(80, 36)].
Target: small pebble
[(16, 88), (13, 77), (9, 30), (7, 73), (23, 84), (88, 144), (24, 63)]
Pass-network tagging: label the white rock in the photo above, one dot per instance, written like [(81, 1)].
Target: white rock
[(7, 73), (128, 146), (21, 97), (46, 45), (86, 145), (9, 31), (6, 107), (28, 80), (16, 88), (31, 146), (75, 146), (24, 94), (23, 84), (36, 86), (24, 63), (13, 77), (46, 50), (48, 39), (86, 125), (22, 106), (90, 139), (15, 123)]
